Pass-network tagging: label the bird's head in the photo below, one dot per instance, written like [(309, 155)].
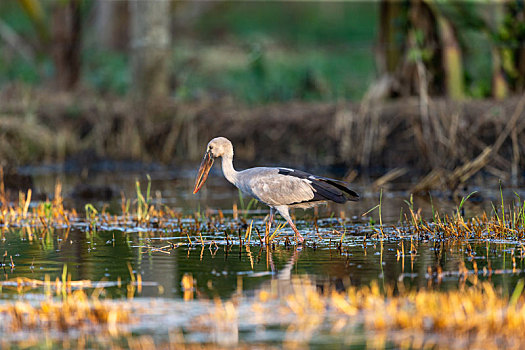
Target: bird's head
[(218, 147)]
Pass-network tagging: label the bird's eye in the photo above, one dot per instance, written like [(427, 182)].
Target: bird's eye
[(211, 147)]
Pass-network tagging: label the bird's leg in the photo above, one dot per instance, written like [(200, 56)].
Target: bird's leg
[(269, 259), (300, 238), (269, 227), (284, 211)]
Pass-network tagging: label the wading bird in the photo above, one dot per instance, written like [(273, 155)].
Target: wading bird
[(279, 188)]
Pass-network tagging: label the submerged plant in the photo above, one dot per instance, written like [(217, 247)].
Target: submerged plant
[(246, 209), (91, 215), (143, 203)]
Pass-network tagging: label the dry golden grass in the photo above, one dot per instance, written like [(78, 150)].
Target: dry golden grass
[(52, 213), (75, 312), (509, 224), (475, 316)]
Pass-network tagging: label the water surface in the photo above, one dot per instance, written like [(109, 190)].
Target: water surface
[(222, 265)]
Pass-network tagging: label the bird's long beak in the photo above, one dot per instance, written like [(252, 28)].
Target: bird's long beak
[(204, 170)]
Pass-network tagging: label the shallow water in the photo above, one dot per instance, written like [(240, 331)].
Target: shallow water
[(220, 270), (226, 269)]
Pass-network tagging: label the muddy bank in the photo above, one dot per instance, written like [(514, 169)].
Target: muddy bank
[(443, 136)]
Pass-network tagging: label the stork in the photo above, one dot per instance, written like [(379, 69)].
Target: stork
[(278, 188)]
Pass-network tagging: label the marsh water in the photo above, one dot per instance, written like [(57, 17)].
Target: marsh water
[(223, 268)]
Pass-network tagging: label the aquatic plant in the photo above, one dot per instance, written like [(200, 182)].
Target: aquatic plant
[(76, 312), (473, 315)]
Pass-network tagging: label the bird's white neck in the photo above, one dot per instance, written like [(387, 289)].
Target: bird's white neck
[(227, 169)]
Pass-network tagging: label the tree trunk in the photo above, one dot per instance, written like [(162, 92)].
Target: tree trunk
[(415, 35), (452, 60), (150, 42), (67, 43), (512, 36), (500, 86), (520, 84), (111, 24), (389, 53), (425, 46)]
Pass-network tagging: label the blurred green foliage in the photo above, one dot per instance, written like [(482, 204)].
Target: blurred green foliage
[(107, 72), (275, 73), (13, 67), (21, 70), (283, 51), (293, 23), (478, 71), (255, 52)]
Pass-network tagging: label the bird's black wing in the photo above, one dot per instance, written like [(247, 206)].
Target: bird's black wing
[(324, 188)]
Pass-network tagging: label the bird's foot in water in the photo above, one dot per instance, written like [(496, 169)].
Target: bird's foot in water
[(300, 241)]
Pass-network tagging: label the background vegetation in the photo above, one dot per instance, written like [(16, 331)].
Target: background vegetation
[(153, 80), (261, 52)]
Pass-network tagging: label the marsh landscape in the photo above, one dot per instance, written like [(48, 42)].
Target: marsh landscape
[(417, 106)]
